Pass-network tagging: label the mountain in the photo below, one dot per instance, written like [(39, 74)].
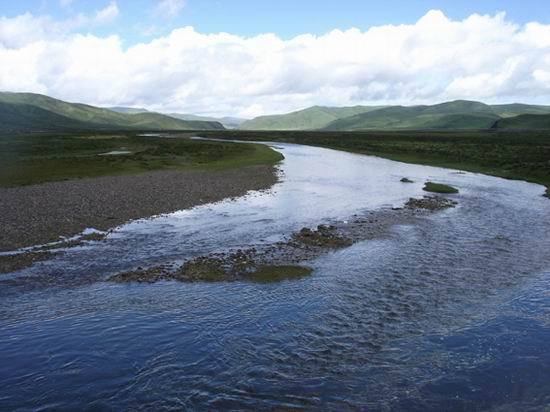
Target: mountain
[(524, 122), (516, 109), (228, 122), (36, 112), (312, 118), (460, 114), (130, 110)]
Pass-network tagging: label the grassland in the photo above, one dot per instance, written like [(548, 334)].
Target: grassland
[(512, 155), (525, 122), (30, 159)]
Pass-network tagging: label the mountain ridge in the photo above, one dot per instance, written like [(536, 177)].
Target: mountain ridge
[(457, 114), (36, 112)]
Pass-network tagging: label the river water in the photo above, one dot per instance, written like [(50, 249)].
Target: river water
[(451, 312)]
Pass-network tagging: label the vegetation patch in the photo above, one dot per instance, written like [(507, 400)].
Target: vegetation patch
[(406, 180), (272, 273), (204, 269), (324, 236), (439, 188), (33, 159)]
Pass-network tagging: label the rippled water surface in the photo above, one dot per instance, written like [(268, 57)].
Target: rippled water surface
[(451, 312)]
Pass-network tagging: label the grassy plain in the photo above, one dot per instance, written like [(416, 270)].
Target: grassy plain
[(30, 159)]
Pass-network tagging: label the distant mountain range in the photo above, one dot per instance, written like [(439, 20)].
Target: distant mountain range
[(312, 118), (455, 115), (228, 122), (35, 112)]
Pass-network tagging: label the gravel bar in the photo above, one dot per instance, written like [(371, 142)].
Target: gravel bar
[(37, 214)]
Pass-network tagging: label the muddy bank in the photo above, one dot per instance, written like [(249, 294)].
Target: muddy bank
[(280, 260), (38, 214)]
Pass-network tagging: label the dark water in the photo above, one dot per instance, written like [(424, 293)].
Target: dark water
[(451, 313)]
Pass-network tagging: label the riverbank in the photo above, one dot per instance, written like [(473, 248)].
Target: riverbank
[(37, 214), (40, 158), (523, 155)]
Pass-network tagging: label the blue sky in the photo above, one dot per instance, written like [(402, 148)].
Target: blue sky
[(286, 18)]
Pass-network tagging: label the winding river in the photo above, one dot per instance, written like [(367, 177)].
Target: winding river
[(449, 312)]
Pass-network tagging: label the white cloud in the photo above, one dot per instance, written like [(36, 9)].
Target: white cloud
[(25, 29), (436, 59), (169, 8), (106, 15)]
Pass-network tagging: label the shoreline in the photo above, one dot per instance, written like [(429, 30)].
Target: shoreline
[(43, 213), (504, 154)]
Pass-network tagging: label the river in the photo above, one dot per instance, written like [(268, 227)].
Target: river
[(449, 313)]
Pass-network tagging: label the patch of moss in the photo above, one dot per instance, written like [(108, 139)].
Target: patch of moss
[(439, 188), (406, 180), (203, 269), (271, 273)]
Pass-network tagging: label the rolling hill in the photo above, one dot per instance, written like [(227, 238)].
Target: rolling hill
[(516, 109), (35, 112), (460, 114), (227, 121), (131, 110), (524, 122), (312, 118)]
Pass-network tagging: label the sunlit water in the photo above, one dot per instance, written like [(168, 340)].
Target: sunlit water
[(451, 312)]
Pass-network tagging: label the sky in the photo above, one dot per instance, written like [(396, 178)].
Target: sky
[(249, 58)]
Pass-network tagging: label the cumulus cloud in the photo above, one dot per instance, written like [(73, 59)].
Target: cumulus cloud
[(481, 57), (169, 8)]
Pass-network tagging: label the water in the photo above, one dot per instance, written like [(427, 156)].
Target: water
[(451, 312)]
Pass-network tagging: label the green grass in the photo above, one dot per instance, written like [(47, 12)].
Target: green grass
[(525, 122), (270, 273), (439, 188), (35, 159), (512, 155)]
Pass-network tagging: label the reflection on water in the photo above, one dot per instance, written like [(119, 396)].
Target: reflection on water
[(452, 312)]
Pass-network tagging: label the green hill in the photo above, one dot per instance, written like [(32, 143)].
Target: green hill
[(524, 122), (228, 122), (35, 112), (516, 109), (312, 118), (131, 110), (460, 114)]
